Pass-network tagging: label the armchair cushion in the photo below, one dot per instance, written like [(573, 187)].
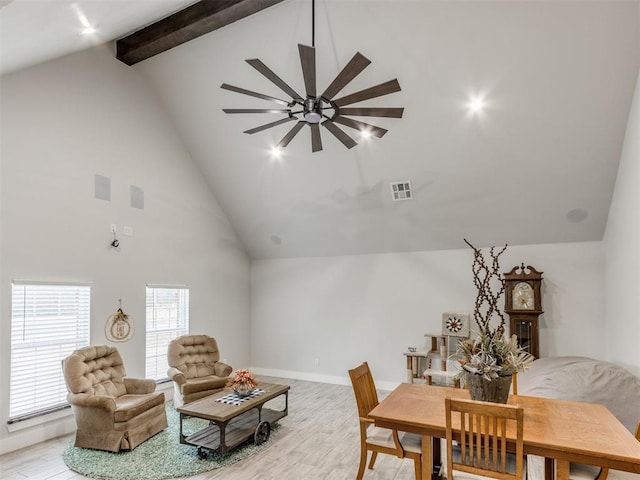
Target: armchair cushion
[(130, 406), (204, 383)]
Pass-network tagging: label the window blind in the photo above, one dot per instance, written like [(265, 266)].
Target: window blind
[(167, 318), (48, 322)]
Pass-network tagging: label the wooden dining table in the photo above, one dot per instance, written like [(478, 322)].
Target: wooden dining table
[(559, 430)]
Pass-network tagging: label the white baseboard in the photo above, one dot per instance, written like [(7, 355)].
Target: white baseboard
[(316, 377)]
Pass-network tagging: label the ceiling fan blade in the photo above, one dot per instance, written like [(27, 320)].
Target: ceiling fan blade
[(358, 125), (377, 91), (275, 79), (253, 94), (292, 133), (316, 141), (254, 110), (337, 132), (351, 70), (308, 63), (392, 112), (269, 125)]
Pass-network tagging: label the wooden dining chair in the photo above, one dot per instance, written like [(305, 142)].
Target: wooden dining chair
[(375, 439), (480, 430)]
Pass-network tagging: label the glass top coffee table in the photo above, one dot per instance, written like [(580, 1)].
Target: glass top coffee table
[(234, 419)]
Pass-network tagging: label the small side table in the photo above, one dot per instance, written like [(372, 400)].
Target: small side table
[(414, 370), (440, 347)]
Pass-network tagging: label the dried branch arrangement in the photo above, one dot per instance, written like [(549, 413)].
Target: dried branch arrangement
[(490, 285), (490, 354)]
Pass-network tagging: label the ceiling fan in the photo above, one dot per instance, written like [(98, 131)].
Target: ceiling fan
[(325, 109)]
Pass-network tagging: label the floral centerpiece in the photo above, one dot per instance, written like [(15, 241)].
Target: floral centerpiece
[(489, 360), (242, 381)]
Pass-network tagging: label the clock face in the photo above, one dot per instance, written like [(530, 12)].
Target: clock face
[(522, 297)]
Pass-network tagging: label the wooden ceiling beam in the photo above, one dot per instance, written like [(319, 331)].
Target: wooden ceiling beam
[(198, 19)]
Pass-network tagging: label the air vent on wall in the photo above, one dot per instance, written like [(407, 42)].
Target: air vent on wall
[(401, 191)]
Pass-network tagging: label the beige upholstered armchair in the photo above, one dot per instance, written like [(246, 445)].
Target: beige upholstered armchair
[(112, 412), (195, 368)]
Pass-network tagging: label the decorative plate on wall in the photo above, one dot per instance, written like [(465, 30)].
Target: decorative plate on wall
[(455, 324)]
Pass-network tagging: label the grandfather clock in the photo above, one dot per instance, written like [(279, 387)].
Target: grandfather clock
[(523, 304)]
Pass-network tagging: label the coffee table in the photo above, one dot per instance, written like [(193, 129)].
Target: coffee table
[(230, 424)]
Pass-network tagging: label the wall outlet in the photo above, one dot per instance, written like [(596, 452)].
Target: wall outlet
[(128, 231), (316, 362)]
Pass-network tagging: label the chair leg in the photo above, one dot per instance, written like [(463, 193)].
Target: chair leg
[(363, 462), (417, 465), (604, 473), (374, 455)]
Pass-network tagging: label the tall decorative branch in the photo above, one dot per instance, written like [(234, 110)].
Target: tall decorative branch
[(490, 285)]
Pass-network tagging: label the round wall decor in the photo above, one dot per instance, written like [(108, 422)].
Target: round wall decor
[(119, 327)]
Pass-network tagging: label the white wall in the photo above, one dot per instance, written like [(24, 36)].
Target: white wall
[(86, 114), (344, 310), (622, 248)]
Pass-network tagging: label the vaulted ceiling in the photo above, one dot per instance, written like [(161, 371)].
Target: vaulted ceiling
[(536, 165)]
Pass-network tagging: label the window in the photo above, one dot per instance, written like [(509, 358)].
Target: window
[(167, 318), (48, 322)]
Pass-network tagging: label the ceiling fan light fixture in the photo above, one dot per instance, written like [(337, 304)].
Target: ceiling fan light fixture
[(314, 109), (313, 117)]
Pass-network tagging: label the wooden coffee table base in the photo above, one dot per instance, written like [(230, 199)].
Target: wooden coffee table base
[(232, 425)]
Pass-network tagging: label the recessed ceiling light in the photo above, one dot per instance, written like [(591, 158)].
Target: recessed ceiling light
[(276, 153), (476, 104), (365, 134), (87, 28)]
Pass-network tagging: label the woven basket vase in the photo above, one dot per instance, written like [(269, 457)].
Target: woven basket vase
[(496, 390)]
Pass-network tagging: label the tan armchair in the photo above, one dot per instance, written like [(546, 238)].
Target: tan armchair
[(195, 368), (112, 412)]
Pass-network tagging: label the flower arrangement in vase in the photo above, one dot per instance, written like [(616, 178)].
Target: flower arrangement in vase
[(243, 382), (489, 360)]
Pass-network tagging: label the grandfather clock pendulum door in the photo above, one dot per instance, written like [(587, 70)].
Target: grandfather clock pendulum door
[(523, 304)]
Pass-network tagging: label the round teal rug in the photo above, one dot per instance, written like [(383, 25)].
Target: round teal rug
[(161, 456)]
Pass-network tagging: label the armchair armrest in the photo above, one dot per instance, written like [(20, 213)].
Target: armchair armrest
[(222, 369), (91, 401), (96, 413), (139, 386), (176, 375)]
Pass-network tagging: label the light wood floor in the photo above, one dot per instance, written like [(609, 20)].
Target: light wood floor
[(319, 440)]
